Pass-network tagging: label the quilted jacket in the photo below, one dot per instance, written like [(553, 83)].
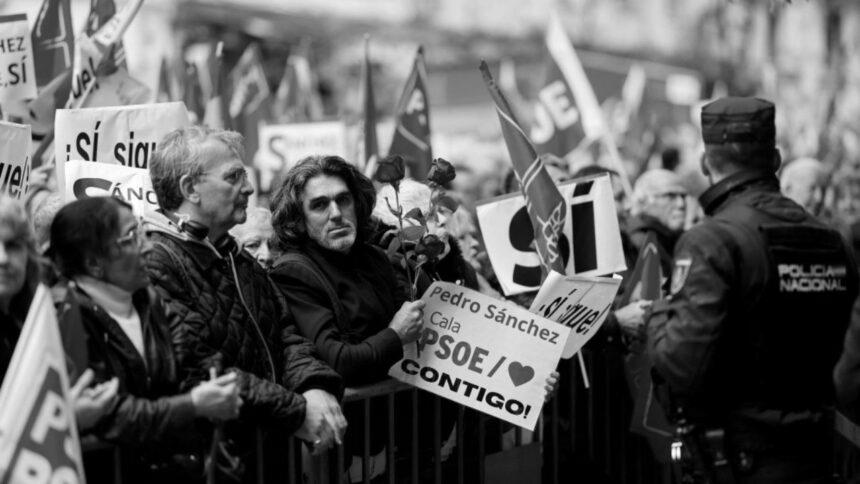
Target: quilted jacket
[(224, 312)]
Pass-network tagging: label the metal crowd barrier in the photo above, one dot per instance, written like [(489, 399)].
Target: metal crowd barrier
[(582, 435)]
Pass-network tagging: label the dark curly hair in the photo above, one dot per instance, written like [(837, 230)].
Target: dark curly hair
[(288, 218), (82, 230)]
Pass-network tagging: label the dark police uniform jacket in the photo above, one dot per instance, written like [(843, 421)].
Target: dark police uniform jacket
[(760, 299)]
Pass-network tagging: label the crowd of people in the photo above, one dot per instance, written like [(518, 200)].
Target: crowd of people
[(212, 324)]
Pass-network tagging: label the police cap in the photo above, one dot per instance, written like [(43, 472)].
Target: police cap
[(739, 120)]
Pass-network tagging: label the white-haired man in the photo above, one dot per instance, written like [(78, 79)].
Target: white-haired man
[(224, 311)]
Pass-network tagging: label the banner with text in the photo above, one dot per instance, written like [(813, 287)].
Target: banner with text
[(85, 179), (283, 145), (590, 242), (17, 72), (489, 355), (14, 159), (123, 135), (579, 302), (38, 436)]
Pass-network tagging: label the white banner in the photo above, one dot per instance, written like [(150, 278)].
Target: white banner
[(283, 145), (123, 135), (579, 302), (17, 74), (38, 436), (591, 237), (86, 179), (486, 354), (14, 159)]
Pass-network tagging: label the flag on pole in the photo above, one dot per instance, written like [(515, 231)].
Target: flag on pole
[(544, 203), (164, 93), (249, 87), (38, 436), (569, 109), (370, 151), (646, 279), (100, 12), (192, 93), (411, 137), (297, 99), (53, 41), (215, 114)]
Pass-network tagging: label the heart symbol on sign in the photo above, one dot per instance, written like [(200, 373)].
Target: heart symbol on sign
[(520, 373)]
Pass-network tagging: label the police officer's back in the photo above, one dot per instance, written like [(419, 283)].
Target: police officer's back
[(761, 296)]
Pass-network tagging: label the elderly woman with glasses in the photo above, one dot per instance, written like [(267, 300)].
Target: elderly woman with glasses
[(97, 246)]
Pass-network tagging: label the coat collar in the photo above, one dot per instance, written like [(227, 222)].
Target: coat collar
[(713, 198)]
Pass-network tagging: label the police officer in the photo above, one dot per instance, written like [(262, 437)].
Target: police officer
[(760, 299)]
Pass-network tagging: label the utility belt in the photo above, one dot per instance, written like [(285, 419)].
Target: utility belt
[(702, 454)]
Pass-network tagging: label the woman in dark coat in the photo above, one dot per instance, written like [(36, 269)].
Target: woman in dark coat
[(96, 243)]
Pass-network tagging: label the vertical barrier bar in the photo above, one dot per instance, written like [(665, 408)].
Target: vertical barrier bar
[(437, 440), (482, 436), (261, 464), (117, 465), (606, 414), (389, 448), (415, 437), (574, 405), (553, 433), (461, 441), (292, 472), (590, 420), (339, 470), (365, 451)]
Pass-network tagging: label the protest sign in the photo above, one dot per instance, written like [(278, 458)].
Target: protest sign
[(38, 436), (282, 145), (590, 242), (86, 179), (17, 73), (579, 302), (123, 135), (14, 159), (489, 355)]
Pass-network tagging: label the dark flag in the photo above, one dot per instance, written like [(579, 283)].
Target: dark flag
[(544, 203), (192, 94), (412, 122), (371, 144), (100, 12), (297, 99), (164, 93), (215, 115), (648, 420), (249, 87), (53, 41)]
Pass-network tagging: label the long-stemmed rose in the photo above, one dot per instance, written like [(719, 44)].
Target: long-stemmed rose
[(391, 170)]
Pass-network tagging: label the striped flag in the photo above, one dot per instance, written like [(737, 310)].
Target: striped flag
[(164, 93), (192, 93), (38, 436), (297, 99), (544, 203), (249, 87), (412, 122), (53, 41)]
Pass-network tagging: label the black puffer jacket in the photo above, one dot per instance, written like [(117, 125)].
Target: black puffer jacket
[(150, 419), (225, 312)]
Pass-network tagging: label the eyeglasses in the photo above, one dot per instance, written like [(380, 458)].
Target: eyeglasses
[(134, 237)]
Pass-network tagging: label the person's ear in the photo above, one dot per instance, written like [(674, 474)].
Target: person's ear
[(777, 160), (188, 188), (703, 162), (94, 267)]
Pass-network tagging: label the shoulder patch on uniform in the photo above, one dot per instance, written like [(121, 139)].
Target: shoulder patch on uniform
[(679, 274)]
